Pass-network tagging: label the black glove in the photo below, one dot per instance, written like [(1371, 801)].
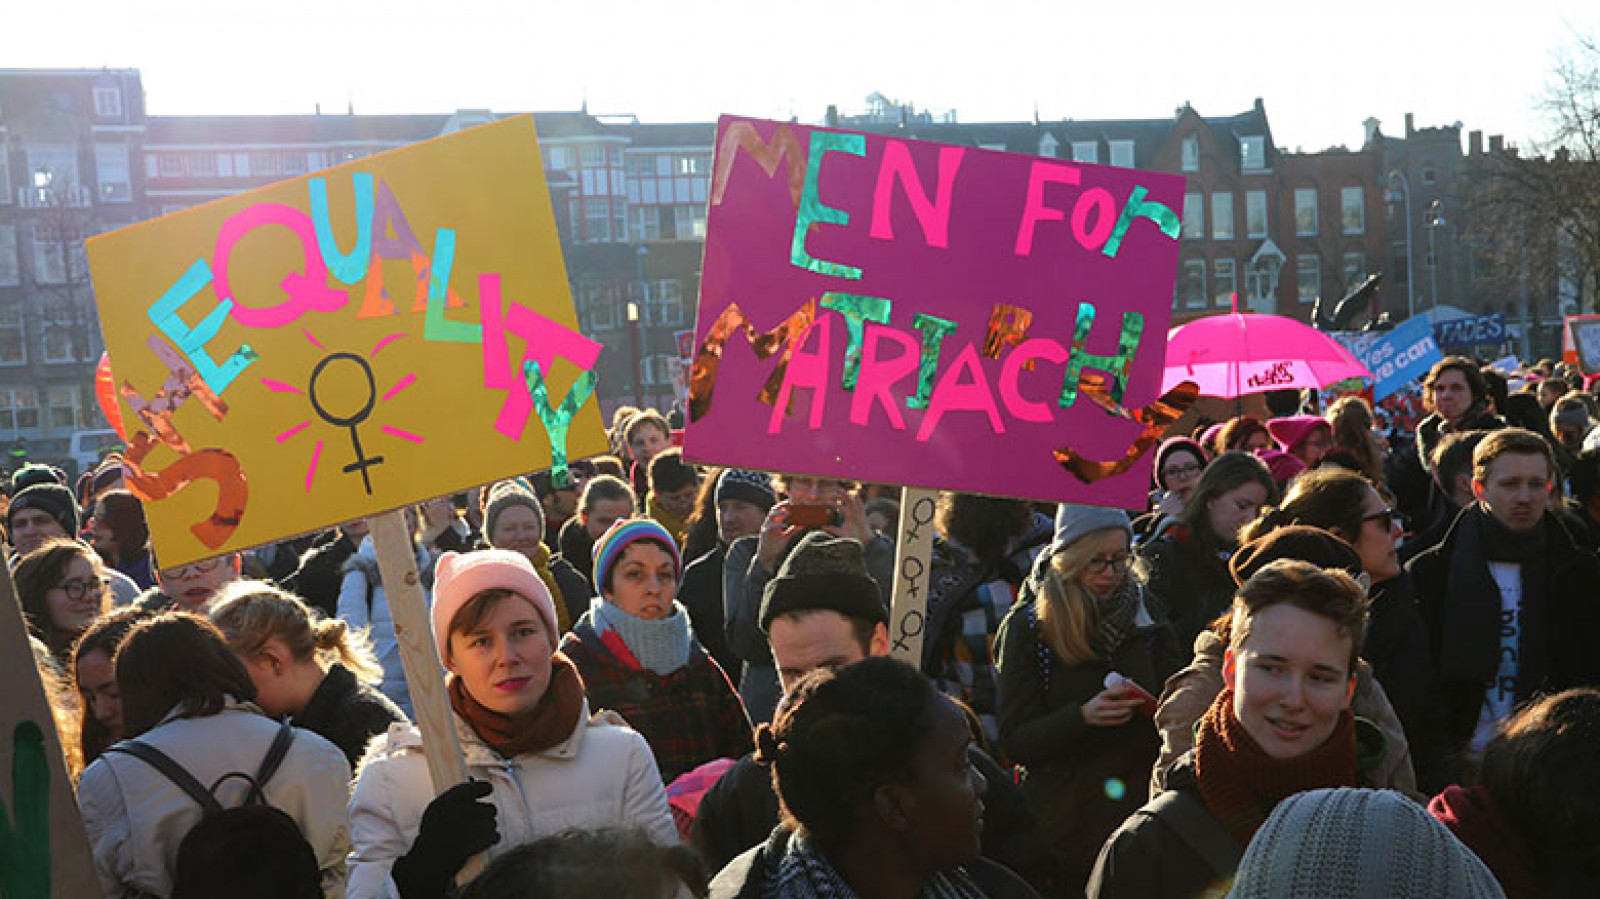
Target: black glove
[(455, 827)]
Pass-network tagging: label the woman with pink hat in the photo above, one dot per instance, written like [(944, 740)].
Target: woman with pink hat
[(535, 753)]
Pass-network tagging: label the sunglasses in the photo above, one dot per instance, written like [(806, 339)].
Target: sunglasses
[(1389, 517)]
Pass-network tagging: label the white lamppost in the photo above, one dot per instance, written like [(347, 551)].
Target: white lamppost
[(1435, 219)]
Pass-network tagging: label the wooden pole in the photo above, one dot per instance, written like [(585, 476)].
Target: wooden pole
[(402, 586), (913, 548)]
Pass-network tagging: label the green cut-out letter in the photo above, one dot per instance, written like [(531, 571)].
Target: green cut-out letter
[(435, 325), (857, 311), (556, 421), (934, 330), (1139, 207), (813, 211), (1116, 365)]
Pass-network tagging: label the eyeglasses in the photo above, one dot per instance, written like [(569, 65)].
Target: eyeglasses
[(193, 569), (78, 588), (1181, 471), (1119, 562), (1388, 517)]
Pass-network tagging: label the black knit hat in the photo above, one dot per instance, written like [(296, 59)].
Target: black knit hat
[(1296, 541), (824, 572), (53, 499), (754, 487)]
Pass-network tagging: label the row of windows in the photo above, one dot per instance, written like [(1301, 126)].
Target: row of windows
[(54, 261), (1352, 213), (253, 164), (1189, 292), (20, 410), (654, 303), (1252, 152), (63, 340)]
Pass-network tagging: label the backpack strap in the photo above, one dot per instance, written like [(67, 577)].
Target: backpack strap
[(1194, 823), (173, 771), (275, 754)]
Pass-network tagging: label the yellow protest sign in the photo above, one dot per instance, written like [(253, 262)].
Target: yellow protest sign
[(336, 345)]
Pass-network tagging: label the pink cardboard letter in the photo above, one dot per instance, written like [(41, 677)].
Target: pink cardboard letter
[(877, 375), (1041, 174), (951, 395), (933, 215), (546, 339), (307, 290), (1011, 370)]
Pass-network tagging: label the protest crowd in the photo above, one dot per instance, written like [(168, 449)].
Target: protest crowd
[(1337, 655)]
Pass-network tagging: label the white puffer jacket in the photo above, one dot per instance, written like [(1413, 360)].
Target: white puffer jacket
[(604, 774), (136, 817)]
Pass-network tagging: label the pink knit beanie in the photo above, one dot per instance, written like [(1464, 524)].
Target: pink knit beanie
[(461, 576)]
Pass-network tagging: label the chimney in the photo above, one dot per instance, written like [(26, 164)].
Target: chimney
[(1370, 126), (1411, 124), (1497, 143), (1474, 143), (832, 119)]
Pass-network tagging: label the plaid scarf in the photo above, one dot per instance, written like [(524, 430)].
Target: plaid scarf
[(801, 872)]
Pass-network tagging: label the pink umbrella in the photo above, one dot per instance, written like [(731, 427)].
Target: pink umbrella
[(1236, 353)]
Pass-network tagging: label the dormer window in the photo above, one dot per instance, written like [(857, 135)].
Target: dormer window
[(1191, 154), (1252, 152)]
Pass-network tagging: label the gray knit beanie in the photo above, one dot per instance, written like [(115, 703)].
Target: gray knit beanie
[(503, 496), (1350, 844), (823, 572), (1073, 522)]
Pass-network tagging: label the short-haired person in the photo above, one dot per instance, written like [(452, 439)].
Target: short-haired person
[(537, 756), (1281, 726), (753, 561), (312, 670), (560, 503), (1534, 815), (1451, 474), (829, 616), (1185, 566), (639, 657), (1507, 596), (740, 499), (1192, 691), (1457, 399), (186, 694), (878, 792), (514, 519), (645, 434), (673, 485), (1570, 423), (605, 499)]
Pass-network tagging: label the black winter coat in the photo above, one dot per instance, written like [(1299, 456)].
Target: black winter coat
[(320, 573), (745, 876), (740, 811), (1558, 630), (348, 713), (1190, 583), (701, 594)]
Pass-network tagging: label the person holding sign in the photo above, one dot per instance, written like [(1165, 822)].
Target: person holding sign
[(537, 755), (1281, 725), (1078, 654), (640, 658)]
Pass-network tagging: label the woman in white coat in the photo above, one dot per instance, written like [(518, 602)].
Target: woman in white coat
[(543, 763)]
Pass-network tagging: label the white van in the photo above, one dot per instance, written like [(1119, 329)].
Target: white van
[(88, 447)]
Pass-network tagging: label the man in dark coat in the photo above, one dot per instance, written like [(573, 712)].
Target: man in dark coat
[(1508, 597), (831, 618), (743, 499)]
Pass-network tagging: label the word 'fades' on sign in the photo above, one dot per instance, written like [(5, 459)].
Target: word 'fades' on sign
[(1474, 331), (1398, 357), (904, 312), (340, 344)]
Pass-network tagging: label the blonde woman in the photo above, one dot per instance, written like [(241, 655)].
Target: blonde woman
[(314, 670), (1081, 630)]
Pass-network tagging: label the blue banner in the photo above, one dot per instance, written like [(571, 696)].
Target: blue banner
[(1462, 333), (1400, 356)]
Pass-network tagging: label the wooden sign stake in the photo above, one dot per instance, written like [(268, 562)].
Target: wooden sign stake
[(913, 548)]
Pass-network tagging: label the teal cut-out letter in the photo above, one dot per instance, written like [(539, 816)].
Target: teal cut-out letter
[(934, 330), (556, 421), (813, 211), (1139, 207), (348, 267), (435, 325), (857, 311), (192, 341), (1116, 366)]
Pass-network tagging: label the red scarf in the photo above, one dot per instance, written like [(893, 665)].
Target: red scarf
[(550, 723), (1241, 784)]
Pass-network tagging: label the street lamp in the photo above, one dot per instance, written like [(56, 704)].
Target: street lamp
[(1400, 189), (633, 339), (1435, 219)]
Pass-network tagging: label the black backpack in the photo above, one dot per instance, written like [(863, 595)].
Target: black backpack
[(215, 821)]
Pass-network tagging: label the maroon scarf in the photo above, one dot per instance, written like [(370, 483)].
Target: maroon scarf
[(550, 723)]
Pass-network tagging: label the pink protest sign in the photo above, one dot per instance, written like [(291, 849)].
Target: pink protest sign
[(909, 313)]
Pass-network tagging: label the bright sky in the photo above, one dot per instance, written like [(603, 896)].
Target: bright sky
[(1321, 68)]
